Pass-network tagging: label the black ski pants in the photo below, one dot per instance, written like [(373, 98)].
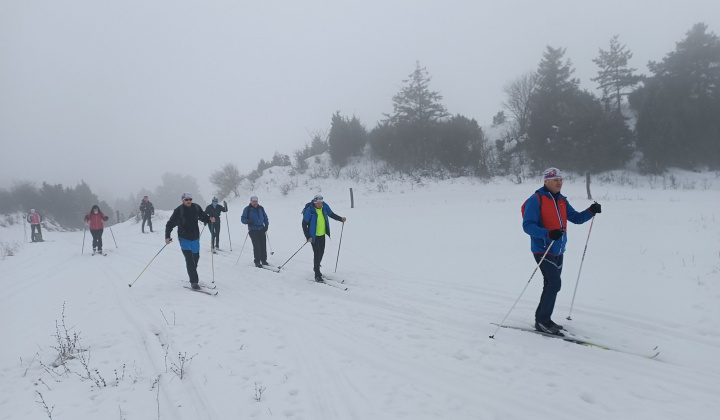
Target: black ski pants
[(214, 233), (191, 262), (97, 238), (551, 269), (318, 252), (146, 218), (259, 245), (32, 231)]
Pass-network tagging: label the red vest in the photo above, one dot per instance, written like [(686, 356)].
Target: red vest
[(549, 216), (34, 219)]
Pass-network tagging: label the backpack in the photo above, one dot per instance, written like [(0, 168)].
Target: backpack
[(305, 208), (522, 208)]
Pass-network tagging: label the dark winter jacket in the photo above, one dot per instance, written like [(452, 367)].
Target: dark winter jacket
[(186, 219), (214, 211), (96, 220), (255, 218), (309, 222), (544, 212), (147, 209)]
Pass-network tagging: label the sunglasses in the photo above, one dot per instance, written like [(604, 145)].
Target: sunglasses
[(187, 199)]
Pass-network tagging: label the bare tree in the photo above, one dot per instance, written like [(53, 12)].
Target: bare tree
[(518, 99), (227, 180)]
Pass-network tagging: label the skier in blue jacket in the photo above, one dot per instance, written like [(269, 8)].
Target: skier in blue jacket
[(545, 217), (316, 226), (258, 223)]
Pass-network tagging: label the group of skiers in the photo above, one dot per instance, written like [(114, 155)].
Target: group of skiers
[(545, 217), (93, 220), (315, 226)]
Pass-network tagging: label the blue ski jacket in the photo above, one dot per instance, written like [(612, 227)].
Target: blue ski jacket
[(255, 218), (309, 222), (544, 212)]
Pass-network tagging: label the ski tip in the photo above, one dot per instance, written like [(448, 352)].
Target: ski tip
[(129, 285)]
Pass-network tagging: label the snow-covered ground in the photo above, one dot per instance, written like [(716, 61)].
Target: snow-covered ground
[(428, 269)]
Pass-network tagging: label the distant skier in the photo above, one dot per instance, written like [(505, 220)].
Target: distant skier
[(316, 226), (35, 219), (258, 223), (215, 210), (147, 211), (545, 217), (95, 220), (186, 217)]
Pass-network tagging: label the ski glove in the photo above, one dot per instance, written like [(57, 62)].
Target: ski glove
[(555, 234), (595, 208), (225, 204)]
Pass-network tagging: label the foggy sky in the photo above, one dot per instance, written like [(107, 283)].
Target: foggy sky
[(117, 93)]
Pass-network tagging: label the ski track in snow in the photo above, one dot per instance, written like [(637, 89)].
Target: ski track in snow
[(408, 340)]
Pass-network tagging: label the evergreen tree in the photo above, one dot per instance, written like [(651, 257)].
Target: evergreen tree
[(549, 109), (568, 127), (461, 146), (416, 104), (347, 138), (410, 134), (615, 78), (679, 105)]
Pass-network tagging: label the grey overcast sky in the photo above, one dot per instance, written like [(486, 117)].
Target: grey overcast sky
[(117, 93)]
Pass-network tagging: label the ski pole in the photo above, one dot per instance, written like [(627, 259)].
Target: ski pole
[(83, 248), (25, 230), (569, 318), (269, 244), (338, 254), (212, 262), (243, 247), (523, 290), (148, 265), (279, 268), (228, 228), (113, 235)]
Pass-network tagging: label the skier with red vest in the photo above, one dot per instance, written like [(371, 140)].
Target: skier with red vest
[(545, 217), (95, 221)]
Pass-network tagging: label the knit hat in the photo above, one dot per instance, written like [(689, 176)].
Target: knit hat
[(552, 173), (317, 199), (215, 200), (253, 198), (186, 196), (32, 210)]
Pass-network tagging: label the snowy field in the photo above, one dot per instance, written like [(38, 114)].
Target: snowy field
[(428, 269)]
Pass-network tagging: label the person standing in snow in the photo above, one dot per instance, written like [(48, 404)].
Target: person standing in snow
[(214, 210), (545, 217), (95, 221), (258, 223), (35, 219), (316, 226), (146, 210), (186, 217)]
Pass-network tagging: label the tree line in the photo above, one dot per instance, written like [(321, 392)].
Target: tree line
[(66, 206), (667, 118)]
